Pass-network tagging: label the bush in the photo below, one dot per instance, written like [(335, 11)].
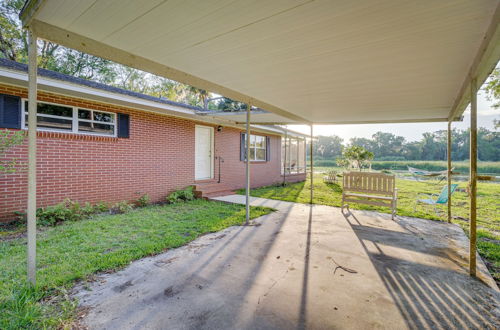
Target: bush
[(67, 210), (121, 207), (52, 215), (144, 200), (182, 195)]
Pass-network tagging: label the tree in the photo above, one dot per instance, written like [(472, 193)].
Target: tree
[(14, 46), (355, 156), (9, 140), (328, 147), (492, 88)]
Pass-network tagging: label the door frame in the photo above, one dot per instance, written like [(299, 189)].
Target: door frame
[(212, 151)]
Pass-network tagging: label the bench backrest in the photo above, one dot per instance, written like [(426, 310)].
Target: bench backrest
[(370, 183)]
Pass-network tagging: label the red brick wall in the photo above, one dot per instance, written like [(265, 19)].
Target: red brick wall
[(157, 159), (227, 145)]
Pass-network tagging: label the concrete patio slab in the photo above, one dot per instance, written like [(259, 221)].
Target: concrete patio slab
[(302, 267)]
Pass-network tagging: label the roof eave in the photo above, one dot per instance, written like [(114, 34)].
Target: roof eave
[(29, 9), (96, 48), (483, 64)]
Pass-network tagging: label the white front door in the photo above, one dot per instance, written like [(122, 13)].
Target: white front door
[(203, 152)]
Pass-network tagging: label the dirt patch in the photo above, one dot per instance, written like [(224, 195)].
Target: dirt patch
[(167, 261), (122, 287), (218, 237), (170, 292)]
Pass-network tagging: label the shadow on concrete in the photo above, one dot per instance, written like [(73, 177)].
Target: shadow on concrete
[(427, 296), (305, 278), (208, 270)]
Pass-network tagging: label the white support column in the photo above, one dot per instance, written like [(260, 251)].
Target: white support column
[(449, 170), (312, 166), (247, 164), (473, 177), (284, 160), (32, 97)]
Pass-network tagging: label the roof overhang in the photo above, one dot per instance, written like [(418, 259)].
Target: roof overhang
[(58, 87), (326, 62)]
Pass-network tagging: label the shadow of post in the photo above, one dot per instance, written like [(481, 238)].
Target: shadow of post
[(426, 295), (305, 277)]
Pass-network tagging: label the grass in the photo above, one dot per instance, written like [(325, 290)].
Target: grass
[(76, 250), (488, 207), (428, 165)]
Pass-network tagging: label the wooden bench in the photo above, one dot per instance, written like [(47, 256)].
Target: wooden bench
[(376, 189), (330, 177)]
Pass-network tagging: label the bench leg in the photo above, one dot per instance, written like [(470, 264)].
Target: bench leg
[(343, 205)]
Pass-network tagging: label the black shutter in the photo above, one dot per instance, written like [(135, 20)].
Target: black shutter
[(268, 148), (123, 125), (242, 147), (10, 111)]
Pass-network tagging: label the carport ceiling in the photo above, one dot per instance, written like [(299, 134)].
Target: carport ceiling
[(320, 61)]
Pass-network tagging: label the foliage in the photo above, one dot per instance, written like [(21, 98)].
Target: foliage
[(487, 209), (181, 195), (432, 146), (14, 46), (355, 156), (67, 210), (144, 200), (75, 250), (460, 167), (329, 147), (492, 88), (8, 140), (121, 207)]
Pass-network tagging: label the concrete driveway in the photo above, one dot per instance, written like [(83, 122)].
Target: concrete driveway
[(303, 267)]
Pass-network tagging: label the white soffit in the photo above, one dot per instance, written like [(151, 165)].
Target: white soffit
[(323, 61)]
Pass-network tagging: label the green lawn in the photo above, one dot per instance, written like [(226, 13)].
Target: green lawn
[(488, 208), (76, 250)]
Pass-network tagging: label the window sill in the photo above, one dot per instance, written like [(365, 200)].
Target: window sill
[(256, 161), (74, 136)]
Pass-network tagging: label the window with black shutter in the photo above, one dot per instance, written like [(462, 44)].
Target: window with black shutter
[(10, 111)]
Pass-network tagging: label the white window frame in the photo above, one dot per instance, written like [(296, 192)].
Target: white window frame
[(74, 119), (255, 148)]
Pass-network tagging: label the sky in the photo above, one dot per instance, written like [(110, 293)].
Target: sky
[(411, 132)]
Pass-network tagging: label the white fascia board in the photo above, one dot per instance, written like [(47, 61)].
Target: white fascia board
[(61, 87), (17, 78)]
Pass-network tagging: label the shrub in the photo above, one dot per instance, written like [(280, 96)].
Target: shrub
[(144, 200), (67, 210), (101, 207), (121, 207), (182, 195)]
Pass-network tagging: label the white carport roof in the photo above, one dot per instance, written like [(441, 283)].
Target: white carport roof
[(324, 61)]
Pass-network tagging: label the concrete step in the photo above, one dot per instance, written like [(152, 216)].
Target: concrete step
[(219, 193), (211, 189)]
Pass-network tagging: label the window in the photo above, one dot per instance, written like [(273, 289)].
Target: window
[(62, 118), (96, 122), (258, 147), (293, 155)]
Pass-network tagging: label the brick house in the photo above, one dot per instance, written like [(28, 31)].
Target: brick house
[(100, 143)]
